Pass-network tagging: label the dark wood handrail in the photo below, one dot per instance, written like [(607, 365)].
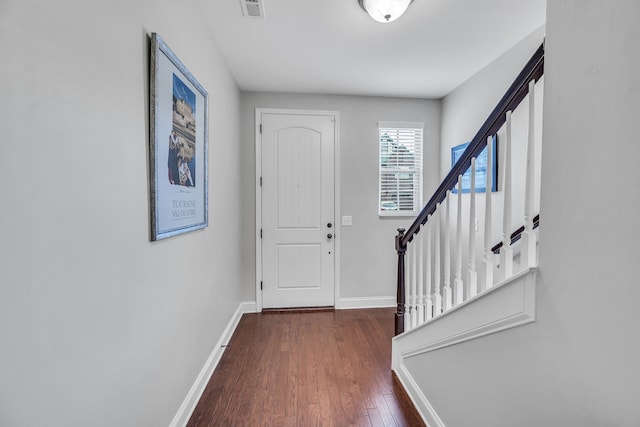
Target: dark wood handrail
[(516, 235), (533, 70)]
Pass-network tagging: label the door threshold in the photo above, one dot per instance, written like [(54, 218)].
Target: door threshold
[(298, 310)]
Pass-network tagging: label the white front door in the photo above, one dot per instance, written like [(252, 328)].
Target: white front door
[(298, 219)]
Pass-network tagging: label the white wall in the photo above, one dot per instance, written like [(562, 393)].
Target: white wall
[(369, 262), (100, 327), (577, 365)]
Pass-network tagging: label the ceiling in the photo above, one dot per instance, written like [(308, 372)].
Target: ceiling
[(333, 46)]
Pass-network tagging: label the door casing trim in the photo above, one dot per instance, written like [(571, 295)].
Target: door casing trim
[(336, 195)]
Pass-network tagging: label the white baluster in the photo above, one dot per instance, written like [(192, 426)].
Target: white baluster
[(506, 252), (457, 282), (420, 277), (407, 317), (414, 280), (446, 290), (528, 254), (429, 304), (437, 298), (472, 285), (407, 289), (488, 216)]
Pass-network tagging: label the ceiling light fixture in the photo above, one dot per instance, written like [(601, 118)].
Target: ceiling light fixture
[(385, 10)]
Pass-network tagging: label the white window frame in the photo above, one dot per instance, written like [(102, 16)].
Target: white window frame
[(411, 135)]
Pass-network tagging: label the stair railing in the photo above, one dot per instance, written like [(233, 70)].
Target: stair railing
[(423, 299)]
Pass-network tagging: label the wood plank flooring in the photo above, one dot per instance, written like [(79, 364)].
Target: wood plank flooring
[(307, 369)]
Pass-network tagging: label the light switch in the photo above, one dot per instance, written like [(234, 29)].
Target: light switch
[(347, 221)]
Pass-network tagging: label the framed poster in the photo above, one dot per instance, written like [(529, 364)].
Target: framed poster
[(481, 168), (178, 146)]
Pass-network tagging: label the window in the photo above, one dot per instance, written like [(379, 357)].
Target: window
[(400, 186)]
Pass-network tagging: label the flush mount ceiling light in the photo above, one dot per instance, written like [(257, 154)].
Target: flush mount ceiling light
[(385, 10)]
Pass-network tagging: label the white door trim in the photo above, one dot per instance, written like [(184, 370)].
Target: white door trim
[(337, 217)]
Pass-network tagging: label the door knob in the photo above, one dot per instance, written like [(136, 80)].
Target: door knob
[(329, 236)]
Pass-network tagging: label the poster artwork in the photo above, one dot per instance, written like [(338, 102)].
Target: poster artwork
[(181, 162), (179, 133)]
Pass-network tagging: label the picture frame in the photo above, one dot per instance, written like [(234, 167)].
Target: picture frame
[(481, 168), (179, 149)]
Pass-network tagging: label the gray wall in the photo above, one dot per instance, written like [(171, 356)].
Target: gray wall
[(466, 108), (368, 255), (577, 365), (98, 326)]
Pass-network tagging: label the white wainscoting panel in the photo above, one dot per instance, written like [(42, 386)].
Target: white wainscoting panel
[(507, 305)]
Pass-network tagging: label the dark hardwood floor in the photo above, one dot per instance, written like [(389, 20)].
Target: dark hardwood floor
[(307, 369)]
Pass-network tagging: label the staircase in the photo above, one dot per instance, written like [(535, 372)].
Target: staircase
[(456, 282)]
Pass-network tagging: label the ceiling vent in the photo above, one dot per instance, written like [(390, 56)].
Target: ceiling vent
[(252, 9)]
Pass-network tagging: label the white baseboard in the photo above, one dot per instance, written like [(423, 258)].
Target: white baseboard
[(420, 402), (366, 302), (190, 402)]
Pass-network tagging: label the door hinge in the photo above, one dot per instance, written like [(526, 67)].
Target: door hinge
[(260, 181), (261, 285), (260, 127), (261, 233)]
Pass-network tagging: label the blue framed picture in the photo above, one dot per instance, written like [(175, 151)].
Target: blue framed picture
[(481, 168)]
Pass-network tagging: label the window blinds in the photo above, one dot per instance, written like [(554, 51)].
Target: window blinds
[(400, 179)]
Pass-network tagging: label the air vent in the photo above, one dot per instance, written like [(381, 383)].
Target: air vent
[(252, 9)]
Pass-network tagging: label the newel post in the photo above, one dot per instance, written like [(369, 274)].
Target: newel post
[(402, 249)]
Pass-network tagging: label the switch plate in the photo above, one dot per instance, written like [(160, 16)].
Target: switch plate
[(347, 221)]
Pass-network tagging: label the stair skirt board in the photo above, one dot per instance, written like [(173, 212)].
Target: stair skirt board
[(189, 404), (507, 305)]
